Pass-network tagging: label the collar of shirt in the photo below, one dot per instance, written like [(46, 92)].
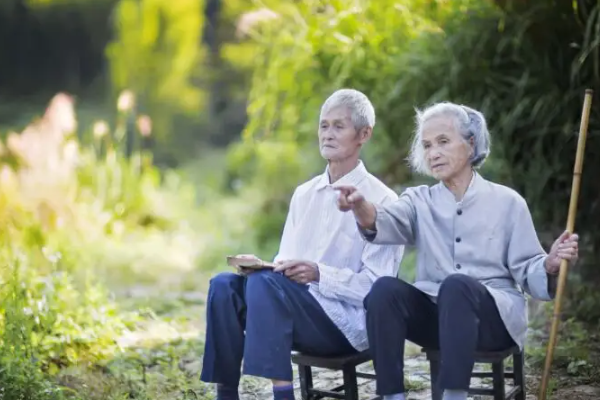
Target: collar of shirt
[(476, 185), (352, 178), (468, 187), (472, 189)]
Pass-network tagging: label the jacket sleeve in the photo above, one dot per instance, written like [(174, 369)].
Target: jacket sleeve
[(526, 257), (394, 222)]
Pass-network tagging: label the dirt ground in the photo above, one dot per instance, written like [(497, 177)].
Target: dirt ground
[(190, 307)]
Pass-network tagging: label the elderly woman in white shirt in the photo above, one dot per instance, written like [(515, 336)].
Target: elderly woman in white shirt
[(476, 249)]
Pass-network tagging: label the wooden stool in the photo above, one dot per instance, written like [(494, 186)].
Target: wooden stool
[(498, 375), (346, 364)]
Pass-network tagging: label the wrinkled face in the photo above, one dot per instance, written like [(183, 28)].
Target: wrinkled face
[(338, 139), (446, 152)]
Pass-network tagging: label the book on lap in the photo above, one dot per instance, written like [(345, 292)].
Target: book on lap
[(242, 263)]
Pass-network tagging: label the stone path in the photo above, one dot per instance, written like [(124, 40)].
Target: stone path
[(417, 383), (416, 366), (417, 380)]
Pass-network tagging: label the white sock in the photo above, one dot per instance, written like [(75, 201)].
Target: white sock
[(455, 395), (397, 396)]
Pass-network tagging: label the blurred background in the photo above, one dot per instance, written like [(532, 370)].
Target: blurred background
[(144, 140)]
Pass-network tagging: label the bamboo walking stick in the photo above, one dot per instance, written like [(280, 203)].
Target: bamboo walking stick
[(562, 277)]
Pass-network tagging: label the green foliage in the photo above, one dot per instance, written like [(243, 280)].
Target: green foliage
[(75, 218), (156, 366), (20, 373), (156, 53), (408, 266), (65, 42), (576, 351), (96, 49)]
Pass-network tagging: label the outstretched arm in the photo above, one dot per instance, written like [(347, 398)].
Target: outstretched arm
[(394, 223), (380, 223)]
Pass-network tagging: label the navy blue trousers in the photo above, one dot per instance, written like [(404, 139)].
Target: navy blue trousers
[(261, 319), (464, 320)]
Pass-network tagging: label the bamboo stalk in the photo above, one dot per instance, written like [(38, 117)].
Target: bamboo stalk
[(562, 277)]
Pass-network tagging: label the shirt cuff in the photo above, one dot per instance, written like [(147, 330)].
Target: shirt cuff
[(327, 280), (367, 234), (551, 281)]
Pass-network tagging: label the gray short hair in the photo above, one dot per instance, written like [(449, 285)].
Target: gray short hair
[(359, 105), (469, 123)]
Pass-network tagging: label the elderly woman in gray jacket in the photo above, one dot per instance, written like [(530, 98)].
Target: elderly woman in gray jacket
[(476, 248)]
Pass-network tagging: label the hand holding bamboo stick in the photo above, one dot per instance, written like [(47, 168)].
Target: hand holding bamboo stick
[(562, 278)]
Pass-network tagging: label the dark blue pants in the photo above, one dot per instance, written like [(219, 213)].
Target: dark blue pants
[(464, 320), (261, 319)]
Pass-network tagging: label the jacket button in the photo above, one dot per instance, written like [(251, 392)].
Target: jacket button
[(457, 240), (458, 266), (459, 212)]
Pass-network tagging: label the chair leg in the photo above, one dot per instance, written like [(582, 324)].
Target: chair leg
[(350, 383), (434, 368), (518, 368), (498, 380), (306, 383)]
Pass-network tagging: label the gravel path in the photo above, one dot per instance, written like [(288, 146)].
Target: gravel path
[(416, 369), (190, 304)]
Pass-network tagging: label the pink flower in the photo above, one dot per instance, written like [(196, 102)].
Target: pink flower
[(60, 114), (126, 101), (100, 129), (144, 125), (250, 19)]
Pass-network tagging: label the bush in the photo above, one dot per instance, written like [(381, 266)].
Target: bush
[(69, 215)]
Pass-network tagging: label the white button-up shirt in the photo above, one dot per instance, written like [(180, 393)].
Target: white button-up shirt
[(317, 231)]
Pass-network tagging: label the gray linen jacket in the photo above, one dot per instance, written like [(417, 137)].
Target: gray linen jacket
[(489, 236)]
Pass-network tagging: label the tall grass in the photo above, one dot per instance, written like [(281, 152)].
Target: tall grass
[(78, 222)]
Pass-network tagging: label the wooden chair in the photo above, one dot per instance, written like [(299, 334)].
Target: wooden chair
[(347, 364), (498, 374)]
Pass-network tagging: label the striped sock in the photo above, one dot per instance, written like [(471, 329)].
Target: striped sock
[(285, 392)]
